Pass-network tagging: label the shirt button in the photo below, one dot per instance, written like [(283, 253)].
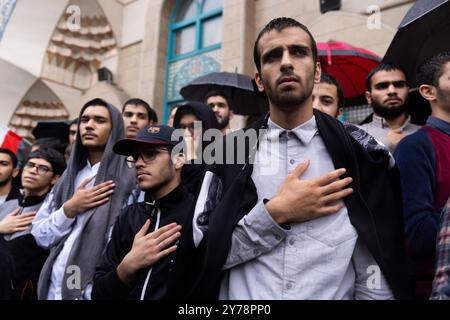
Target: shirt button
[(291, 242), (256, 251), (291, 161), (289, 286), (277, 237)]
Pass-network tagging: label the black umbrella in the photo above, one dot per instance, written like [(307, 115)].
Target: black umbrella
[(423, 33), (52, 129), (238, 87)]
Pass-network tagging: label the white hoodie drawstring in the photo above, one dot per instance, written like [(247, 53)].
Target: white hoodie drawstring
[(144, 288)]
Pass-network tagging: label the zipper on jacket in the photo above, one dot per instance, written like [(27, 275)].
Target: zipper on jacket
[(147, 278)]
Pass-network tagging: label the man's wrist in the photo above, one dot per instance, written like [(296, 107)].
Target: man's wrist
[(274, 211), (124, 272), (69, 210)]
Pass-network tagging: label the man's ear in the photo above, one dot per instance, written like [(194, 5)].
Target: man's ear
[(15, 172), (55, 179), (428, 92), (179, 161), (259, 82), (368, 97), (317, 72)]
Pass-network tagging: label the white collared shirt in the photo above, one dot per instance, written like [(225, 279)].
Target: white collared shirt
[(50, 227), (317, 259)]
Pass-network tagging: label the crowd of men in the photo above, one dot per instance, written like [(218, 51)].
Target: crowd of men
[(314, 209)]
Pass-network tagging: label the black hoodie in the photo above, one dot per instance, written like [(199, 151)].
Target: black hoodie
[(192, 173)]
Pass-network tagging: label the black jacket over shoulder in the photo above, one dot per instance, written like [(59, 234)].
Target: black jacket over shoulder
[(107, 286), (374, 208)]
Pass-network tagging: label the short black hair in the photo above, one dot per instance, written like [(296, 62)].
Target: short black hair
[(220, 93), (432, 69), (280, 24), (95, 102), (50, 142), (11, 155), (55, 158), (74, 121), (183, 110), (152, 116), (384, 66), (329, 79)]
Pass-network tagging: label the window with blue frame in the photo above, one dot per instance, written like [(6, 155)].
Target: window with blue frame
[(195, 37)]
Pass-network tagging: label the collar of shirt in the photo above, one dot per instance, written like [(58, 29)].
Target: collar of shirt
[(93, 167), (87, 171), (439, 124), (382, 123), (304, 132)]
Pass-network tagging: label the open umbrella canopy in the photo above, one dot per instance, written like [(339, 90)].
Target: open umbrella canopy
[(349, 65), (52, 129), (238, 87), (423, 33)]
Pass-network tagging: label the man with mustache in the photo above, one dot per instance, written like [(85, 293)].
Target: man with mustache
[(220, 104), (387, 93), (313, 212), (137, 114), (139, 260), (77, 215)]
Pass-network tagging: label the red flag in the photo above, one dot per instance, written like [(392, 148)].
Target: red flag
[(9, 139)]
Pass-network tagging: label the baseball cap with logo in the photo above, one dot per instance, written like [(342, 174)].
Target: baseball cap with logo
[(153, 135)]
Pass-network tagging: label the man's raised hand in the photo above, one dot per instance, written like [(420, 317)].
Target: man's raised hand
[(300, 200), (84, 199)]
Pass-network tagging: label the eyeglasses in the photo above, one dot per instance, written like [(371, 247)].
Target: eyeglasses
[(41, 169), (147, 156)]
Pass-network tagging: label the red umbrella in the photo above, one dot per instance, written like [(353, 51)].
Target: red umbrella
[(349, 65)]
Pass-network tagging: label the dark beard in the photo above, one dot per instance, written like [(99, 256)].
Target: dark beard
[(224, 123), (443, 97), (388, 112), (5, 182), (168, 176), (288, 100)]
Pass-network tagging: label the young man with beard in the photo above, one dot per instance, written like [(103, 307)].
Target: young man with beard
[(387, 93), (141, 255), (137, 114), (220, 105), (8, 171), (424, 162), (76, 217), (311, 211), (41, 171)]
